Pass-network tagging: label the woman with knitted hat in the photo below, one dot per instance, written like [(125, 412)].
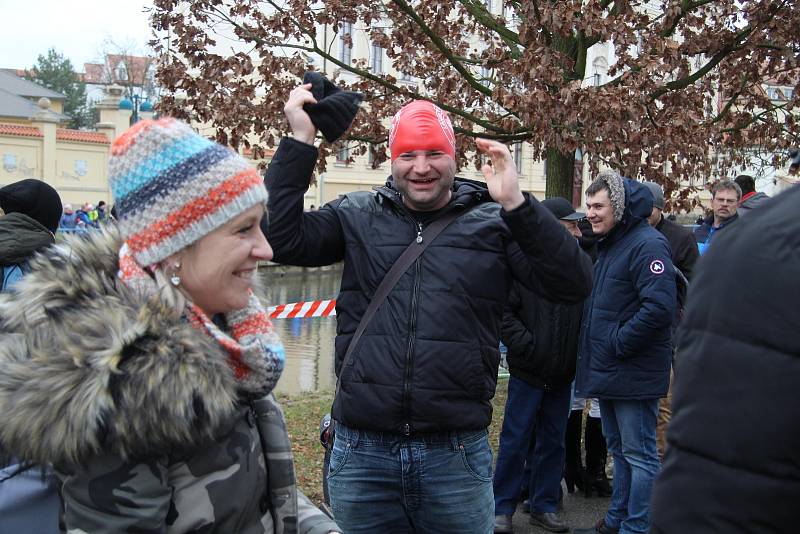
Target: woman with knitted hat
[(156, 408)]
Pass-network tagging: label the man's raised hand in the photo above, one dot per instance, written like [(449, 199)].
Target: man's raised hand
[(302, 127), (501, 175)]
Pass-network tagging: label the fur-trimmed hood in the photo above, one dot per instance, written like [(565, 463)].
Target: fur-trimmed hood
[(87, 365)]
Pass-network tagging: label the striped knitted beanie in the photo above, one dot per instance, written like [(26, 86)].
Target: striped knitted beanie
[(172, 186)]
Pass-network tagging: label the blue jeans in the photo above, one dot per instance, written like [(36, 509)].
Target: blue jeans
[(435, 483), (629, 427), (528, 410)]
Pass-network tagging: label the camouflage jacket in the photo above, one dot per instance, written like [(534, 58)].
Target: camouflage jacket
[(140, 416)]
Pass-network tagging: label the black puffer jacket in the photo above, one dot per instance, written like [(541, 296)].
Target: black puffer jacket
[(542, 337), (428, 360), (733, 443), (684, 253)]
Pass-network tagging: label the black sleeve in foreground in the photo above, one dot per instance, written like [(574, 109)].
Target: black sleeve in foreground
[(515, 335), (544, 257), (308, 239)]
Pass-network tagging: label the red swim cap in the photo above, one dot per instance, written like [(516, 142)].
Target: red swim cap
[(421, 125)]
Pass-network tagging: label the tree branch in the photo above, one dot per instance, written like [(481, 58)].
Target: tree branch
[(381, 81), (755, 118), (479, 12), (705, 69), (442, 47), (548, 37)]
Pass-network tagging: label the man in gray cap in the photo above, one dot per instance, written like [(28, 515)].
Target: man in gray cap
[(684, 256)]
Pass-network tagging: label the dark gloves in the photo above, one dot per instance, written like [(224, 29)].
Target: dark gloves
[(335, 109)]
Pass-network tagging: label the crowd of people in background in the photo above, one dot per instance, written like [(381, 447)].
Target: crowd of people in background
[(86, 217)]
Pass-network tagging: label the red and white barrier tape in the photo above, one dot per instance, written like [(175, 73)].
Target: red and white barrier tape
[(314, 308)]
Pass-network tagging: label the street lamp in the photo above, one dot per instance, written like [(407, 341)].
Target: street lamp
[(136, 104)]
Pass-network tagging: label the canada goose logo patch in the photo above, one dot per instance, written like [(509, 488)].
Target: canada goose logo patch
[(657, 267)]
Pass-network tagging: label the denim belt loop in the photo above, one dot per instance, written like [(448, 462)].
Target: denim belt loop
[(351, 435), (455, 441)]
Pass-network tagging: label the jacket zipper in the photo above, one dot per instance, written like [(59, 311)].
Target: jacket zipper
[(411, 335)]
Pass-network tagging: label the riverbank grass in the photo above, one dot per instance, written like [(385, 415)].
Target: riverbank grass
[(303, 414)]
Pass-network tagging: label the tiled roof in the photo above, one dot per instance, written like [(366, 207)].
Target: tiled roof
[(21, 87), (103, 73), (19, 129), (63, 134), (93, 74)]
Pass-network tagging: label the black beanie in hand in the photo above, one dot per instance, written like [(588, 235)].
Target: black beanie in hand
[(335, 109), (35, 199)]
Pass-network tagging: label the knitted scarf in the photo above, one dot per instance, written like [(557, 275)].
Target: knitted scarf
[(255, 353)]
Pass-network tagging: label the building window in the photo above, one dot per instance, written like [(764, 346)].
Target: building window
[(488, 5), (343, 155), (518, 157), (345, 47), (405, 77), (371, 158), (779, 93), (376, 59), (600, 66)]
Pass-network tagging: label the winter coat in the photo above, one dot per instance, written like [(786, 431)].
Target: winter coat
[(750, 201), (704, 232), (428, 360), (68, 221), (542, 337), (625, 349), (731, 463), (684, 252), (139, 414), (20, 238), (28, 494)]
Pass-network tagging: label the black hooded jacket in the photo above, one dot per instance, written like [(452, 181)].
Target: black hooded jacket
[(731, 463), (541, 336), (428, 360), (684, 252)]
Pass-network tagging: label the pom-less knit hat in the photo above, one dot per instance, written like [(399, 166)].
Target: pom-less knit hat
[(657, 192), (172, 186), (33, 198), (335, 109)]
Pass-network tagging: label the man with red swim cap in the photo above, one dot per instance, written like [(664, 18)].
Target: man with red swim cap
[(410, 452)]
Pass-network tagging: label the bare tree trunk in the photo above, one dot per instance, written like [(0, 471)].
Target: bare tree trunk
[(560, 169)]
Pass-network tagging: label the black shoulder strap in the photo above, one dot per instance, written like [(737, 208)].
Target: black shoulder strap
[(409, 255)]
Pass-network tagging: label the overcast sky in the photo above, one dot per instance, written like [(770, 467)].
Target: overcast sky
[(75, 28)]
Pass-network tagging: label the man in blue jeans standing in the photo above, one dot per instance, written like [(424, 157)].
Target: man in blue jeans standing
[(625, 348), (410, 451), (542, 341)]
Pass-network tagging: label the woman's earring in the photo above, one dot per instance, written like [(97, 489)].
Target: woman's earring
[(175, 280)]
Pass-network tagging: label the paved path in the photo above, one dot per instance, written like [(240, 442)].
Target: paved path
[(579, 512)]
